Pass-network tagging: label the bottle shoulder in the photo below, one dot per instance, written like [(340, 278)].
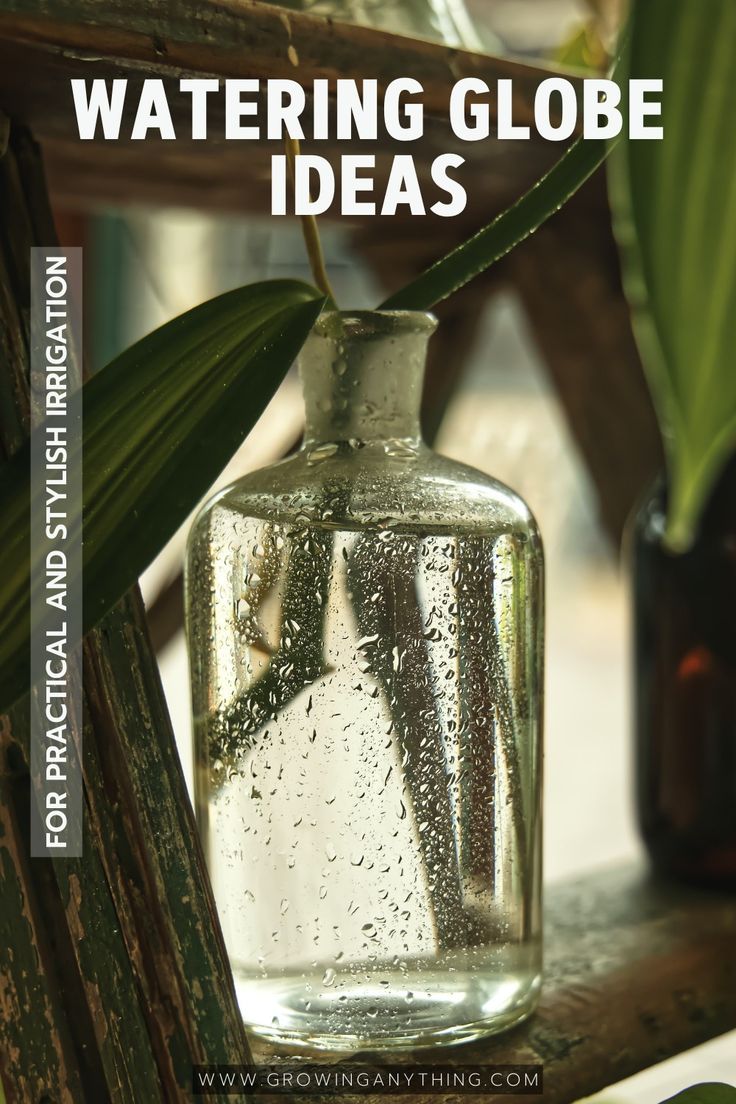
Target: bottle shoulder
[(414, 489)]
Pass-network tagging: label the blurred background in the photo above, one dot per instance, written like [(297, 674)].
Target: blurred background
[(535, 380)]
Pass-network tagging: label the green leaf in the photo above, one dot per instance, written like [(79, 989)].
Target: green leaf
[(508, 229), (583, 49), (160, 423), (712, 1092), (674, 202)]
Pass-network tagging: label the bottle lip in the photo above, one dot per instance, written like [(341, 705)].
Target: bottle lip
[(367, 323)]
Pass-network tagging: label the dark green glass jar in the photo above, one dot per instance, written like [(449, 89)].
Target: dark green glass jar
[(685, 689)]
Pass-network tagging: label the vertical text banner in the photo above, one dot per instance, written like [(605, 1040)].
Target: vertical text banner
[(56, 552)]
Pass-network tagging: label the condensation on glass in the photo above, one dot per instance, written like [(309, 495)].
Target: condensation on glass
[(365, 624)]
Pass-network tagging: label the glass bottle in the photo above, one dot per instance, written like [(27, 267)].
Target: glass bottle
[(685, 689), (365, 626), (445, 21)]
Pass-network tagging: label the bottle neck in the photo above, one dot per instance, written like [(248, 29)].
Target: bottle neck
[(362, 377)]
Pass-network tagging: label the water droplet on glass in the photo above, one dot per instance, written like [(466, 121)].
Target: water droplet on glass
[(321, 452), (400, 450)]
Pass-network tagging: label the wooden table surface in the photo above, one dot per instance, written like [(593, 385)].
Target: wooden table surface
[(636, 971)]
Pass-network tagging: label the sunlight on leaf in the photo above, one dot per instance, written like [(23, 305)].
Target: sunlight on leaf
[(675, 212)]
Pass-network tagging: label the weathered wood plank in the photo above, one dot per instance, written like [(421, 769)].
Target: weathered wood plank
[(249, 38), (37, 1055), (120, 981), (636, 971), (58, 41), (173, 918)]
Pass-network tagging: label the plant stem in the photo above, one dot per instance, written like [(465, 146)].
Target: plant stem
[(311, 234), (395, 624)]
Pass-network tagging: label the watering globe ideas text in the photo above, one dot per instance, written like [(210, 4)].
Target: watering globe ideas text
[(352, 111)]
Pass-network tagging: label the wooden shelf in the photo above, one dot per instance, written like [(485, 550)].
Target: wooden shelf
[(44, 44), (636, 972)]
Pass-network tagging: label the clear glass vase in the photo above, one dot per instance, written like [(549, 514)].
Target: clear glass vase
[(365, 624)]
